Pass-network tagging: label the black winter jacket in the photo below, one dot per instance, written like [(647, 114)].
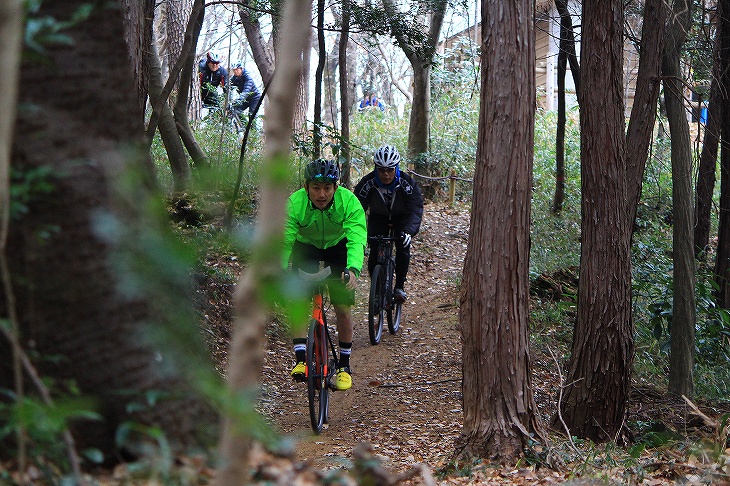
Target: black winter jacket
[(405, 208)]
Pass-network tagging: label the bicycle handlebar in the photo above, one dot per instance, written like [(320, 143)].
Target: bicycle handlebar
[(321, 275), (381, 238), (317, 276)]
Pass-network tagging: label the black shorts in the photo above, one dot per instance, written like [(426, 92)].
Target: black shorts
[(307, 258)]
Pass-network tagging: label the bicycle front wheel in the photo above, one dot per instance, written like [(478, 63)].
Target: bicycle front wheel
[(376, 309), (317, 362)]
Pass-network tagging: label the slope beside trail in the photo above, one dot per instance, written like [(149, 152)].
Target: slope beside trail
[(406, 394)]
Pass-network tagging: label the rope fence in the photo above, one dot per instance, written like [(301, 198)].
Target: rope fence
[(452, 177)]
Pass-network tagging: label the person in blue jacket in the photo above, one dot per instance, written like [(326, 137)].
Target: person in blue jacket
[(246, 94)]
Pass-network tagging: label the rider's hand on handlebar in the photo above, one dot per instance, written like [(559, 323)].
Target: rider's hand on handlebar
[(405, 238), (349, 279)]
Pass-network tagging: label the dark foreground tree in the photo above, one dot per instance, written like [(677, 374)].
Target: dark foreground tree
[(73, 304), (499, 409), (599, 375)]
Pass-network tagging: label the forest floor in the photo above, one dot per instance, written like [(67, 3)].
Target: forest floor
[(404, 411)]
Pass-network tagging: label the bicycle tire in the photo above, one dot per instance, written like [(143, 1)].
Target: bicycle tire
[(394, 317), (394, 308), (317, 361), (376, 309)]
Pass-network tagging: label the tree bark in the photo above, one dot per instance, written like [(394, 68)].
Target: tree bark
[(72, 300), (181, 109), (499, 410), (644, 109), (682, 328), (566, 35), (263, 56), (301, 129), (599, 374), (246, 354), (168, 131), (330, 82), (138, 17)]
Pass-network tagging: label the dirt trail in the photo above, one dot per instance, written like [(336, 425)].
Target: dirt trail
[(406, 395)]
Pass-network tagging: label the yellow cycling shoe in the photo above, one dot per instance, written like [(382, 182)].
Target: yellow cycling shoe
[(299, 371), (343, 379)]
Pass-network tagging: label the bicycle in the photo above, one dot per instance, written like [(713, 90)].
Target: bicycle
[(212, 114), (381, 303), (320, 366)]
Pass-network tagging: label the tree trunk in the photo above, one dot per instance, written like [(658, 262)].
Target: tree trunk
[(566, 32), (599, 375), (345, 95), (330, 108), (420, 59), (246, 354), (722, 266), (321, 59), (262, 55), (168, 131), (682, 328), (11, 45), (181, 108), (72, 301), (300, 113), (708, 160), (499, 411), (418, 127), (138, 19), (644, 109), (138, 16)]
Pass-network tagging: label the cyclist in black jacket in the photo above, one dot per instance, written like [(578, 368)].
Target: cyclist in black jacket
[(212, 75), (391, 197)]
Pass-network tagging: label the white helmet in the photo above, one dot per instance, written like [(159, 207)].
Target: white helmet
[(387, 156)]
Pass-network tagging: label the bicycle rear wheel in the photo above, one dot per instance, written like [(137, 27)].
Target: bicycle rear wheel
[(317, 362), (376, 309), (394, 316), (393, 308)]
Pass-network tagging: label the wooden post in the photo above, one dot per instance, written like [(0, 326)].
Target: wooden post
[(452, 187)]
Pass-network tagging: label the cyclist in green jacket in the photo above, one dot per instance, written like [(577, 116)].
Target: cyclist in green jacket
[(326, 223)]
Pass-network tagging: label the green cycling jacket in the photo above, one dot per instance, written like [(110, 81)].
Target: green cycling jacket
[(324, 228)]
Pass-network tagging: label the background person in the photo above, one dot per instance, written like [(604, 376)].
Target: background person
[(326, 223), (212, 75), (391, 197), (370, 100), (246, 93)]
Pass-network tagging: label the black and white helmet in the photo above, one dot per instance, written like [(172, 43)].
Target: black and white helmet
[(387, 157)]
